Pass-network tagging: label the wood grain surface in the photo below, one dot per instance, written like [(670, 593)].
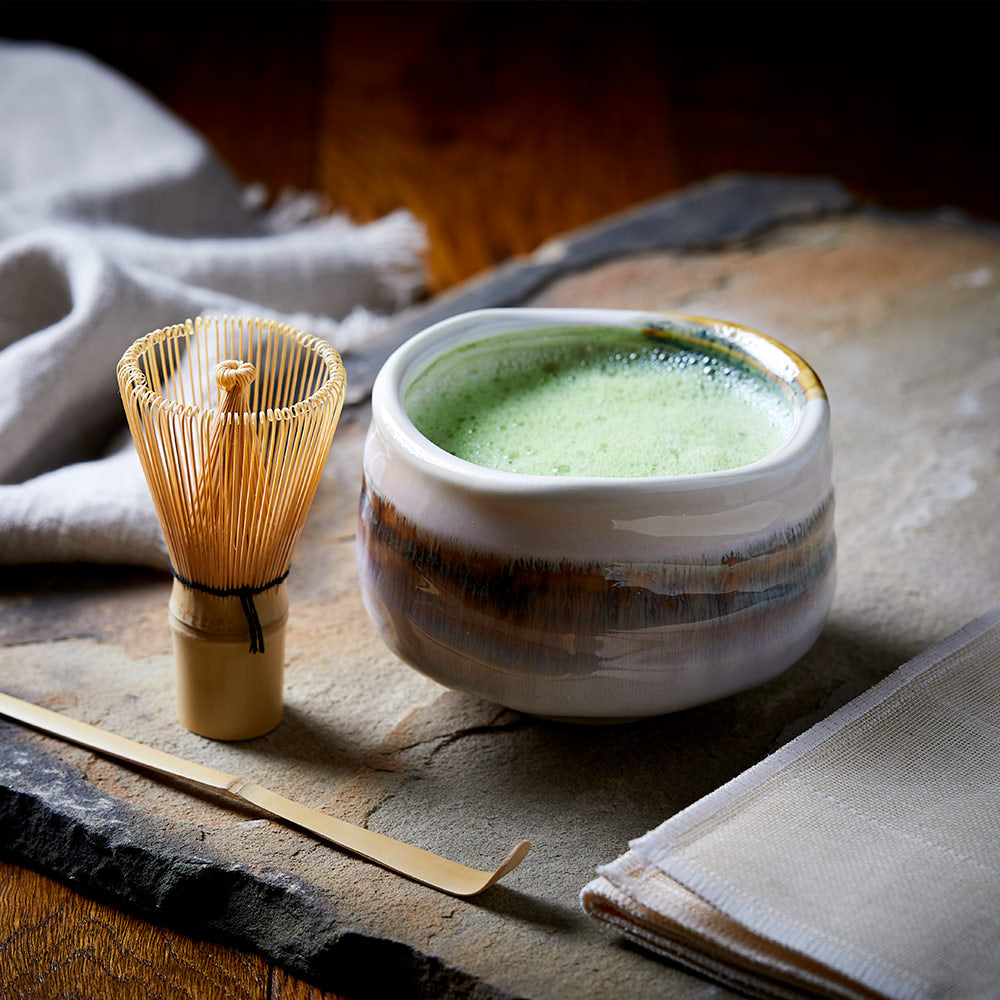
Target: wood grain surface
[(56, 943), (499, 126)]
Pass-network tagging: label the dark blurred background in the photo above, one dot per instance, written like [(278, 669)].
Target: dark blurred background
[(500, 124)]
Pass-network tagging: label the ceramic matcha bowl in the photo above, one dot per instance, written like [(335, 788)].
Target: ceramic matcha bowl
[(625, 590)]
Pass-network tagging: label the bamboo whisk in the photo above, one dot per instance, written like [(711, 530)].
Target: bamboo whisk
[(232, 420)]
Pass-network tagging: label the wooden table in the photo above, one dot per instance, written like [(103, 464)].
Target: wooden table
[(57, 943)]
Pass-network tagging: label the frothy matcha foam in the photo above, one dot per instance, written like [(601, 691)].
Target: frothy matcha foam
[(597, 402)]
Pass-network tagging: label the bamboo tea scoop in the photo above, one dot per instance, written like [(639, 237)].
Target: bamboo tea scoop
[(413, 862)]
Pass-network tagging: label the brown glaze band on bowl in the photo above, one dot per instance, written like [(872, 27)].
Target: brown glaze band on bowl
[(445, 603)]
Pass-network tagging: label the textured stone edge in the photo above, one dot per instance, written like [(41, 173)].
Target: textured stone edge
[(112, 852), (159, 874)]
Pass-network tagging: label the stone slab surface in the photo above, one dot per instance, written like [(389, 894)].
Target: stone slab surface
[(901, 318)]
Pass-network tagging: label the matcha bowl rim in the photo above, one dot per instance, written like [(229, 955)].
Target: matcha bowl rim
[(791, 373)]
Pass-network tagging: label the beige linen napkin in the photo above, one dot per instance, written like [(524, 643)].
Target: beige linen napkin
[(860, 860)]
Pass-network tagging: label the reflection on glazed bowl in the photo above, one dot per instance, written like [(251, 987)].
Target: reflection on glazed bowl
[(596, 598)]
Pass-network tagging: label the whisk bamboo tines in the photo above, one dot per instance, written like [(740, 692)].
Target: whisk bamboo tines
[(232, 421)]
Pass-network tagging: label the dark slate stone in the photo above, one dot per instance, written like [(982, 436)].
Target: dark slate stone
[(56, 822)]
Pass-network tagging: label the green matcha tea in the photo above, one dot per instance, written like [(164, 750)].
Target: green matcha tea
[(597, 402)]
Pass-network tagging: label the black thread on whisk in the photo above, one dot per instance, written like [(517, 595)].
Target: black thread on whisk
[(246, 596)]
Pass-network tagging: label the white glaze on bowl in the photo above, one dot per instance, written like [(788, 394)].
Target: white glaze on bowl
[(595, 599)]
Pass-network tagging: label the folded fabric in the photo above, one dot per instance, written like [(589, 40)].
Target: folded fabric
[(117, 219), (860, 860)]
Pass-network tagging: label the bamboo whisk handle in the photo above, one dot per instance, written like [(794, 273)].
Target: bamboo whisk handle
[(222, 691)]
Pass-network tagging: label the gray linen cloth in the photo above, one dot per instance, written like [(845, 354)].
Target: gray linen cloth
[(860, 860), (117, 219)]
